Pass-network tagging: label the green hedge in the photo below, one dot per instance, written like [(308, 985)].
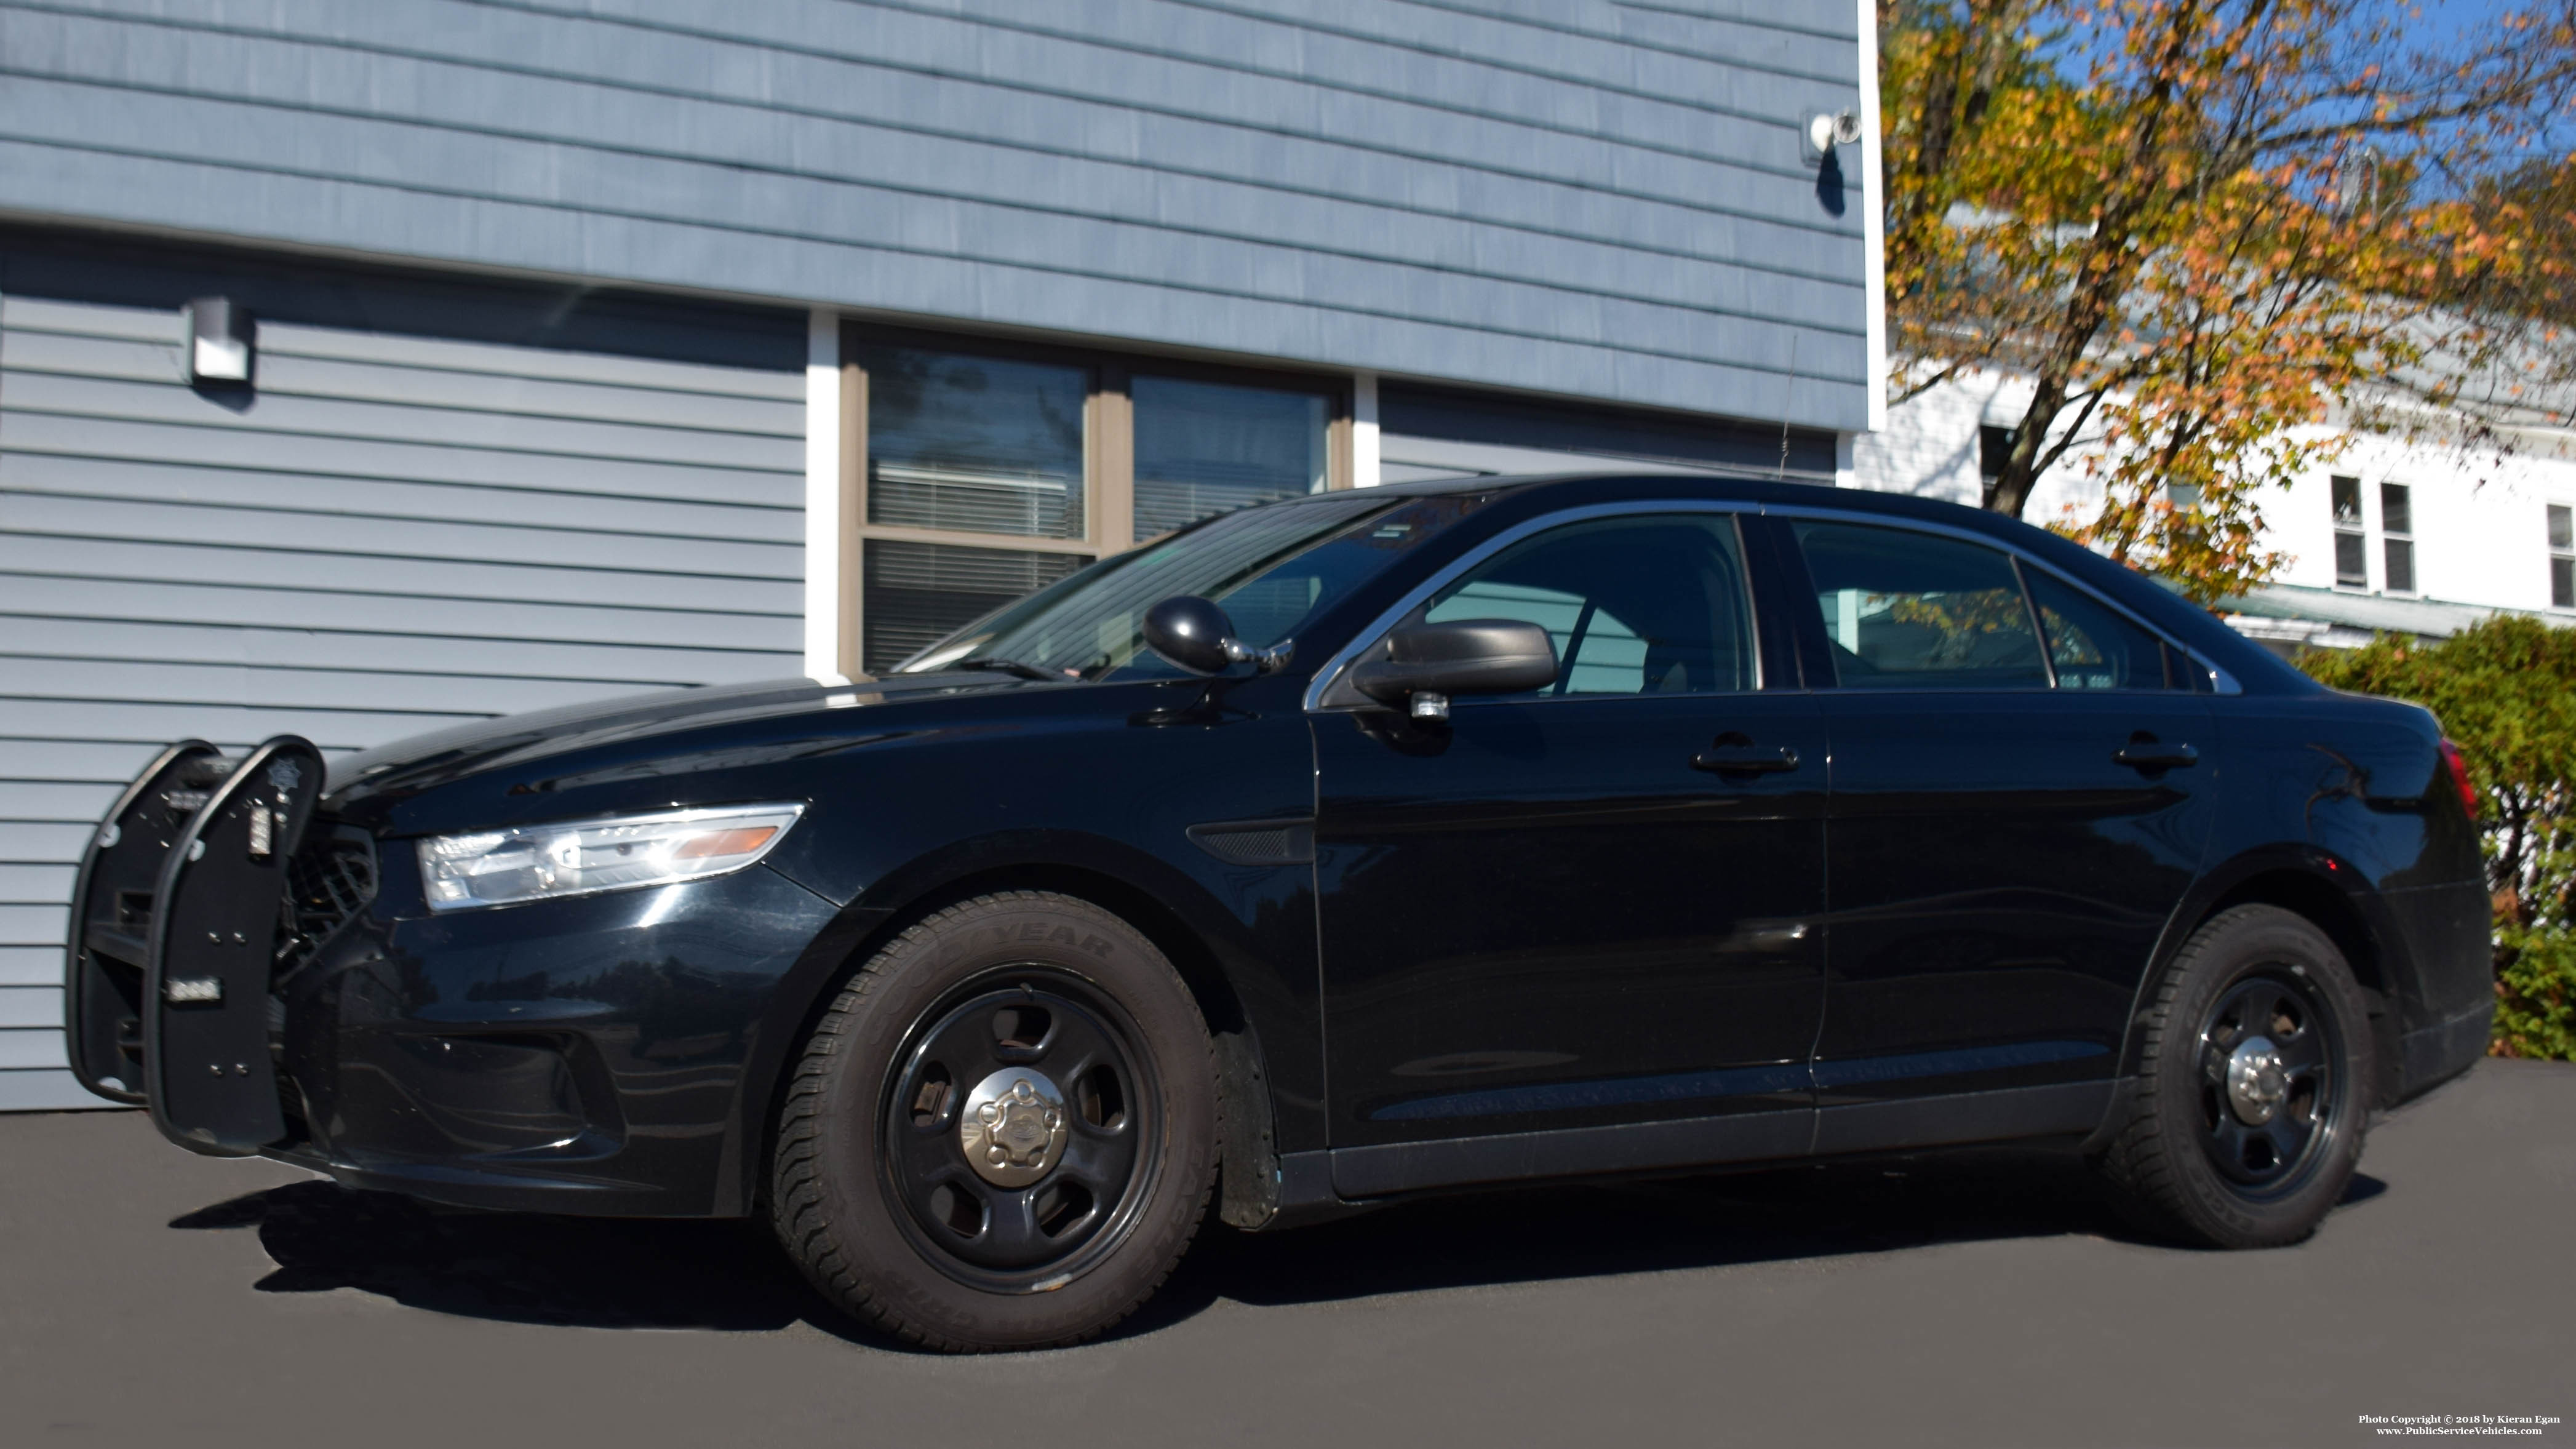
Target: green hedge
[(2505, 692)]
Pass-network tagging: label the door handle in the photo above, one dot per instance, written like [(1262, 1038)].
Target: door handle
[(1745, 760), (2148, 755)]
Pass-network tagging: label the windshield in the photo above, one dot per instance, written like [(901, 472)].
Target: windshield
[(1271, 568)]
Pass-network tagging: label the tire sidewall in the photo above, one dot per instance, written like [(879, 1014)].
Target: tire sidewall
[(2247, 942), (923, 972)]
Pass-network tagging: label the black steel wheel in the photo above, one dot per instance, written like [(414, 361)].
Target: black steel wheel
[(2252, 1096), (1002, 1132), (2271, 1093), (1018, 1129)]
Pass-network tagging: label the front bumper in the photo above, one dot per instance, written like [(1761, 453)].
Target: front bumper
[(591, 1055)]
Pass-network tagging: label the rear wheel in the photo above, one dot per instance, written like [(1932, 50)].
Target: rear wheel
[(2254, 1088), (1002, 1133)]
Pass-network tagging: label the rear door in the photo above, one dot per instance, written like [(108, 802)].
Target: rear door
[(2022, 790)]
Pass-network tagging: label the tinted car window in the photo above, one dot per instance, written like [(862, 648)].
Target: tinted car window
[(1652, 605), (2090, 646), (1906, 610)]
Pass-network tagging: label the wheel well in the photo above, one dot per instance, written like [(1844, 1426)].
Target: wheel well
[(2331, 911), (1188, 954), (1238, 1052), (2325, 907)]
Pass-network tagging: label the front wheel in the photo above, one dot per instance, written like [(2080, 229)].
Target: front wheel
[(1002, 1133), (2254, 1089)]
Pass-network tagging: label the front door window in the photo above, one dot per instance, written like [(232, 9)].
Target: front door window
[(1635, 605)]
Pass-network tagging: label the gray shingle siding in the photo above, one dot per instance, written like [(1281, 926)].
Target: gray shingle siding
[(1574, 197), (545, 505)]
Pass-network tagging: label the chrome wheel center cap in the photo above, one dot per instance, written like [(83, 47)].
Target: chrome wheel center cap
[(2257, 1083), (1013, 1126)]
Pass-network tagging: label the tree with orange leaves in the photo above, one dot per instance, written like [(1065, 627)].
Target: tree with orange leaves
[(2193, 224)]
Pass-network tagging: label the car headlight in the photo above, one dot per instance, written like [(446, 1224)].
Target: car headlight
[(580, 858)]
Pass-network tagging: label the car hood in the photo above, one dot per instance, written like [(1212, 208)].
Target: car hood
[(423, 762)]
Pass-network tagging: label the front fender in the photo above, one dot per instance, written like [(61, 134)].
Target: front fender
[(1242, 936)]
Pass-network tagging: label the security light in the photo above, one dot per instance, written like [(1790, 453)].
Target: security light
[(219, 341), (1825, 130)]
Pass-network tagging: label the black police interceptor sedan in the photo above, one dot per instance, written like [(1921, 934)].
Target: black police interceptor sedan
[(1363, 845)]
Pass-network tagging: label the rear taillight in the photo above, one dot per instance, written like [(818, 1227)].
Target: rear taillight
[(2459, 769)]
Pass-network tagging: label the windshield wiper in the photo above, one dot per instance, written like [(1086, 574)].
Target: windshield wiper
[(1009, 666)]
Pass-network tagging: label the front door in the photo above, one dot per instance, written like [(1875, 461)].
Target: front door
[(2020, 799), (1576, 929)]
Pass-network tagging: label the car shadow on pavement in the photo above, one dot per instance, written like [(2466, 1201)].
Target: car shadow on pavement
[(628, 1273), (1816, 1211), (521, 1267)]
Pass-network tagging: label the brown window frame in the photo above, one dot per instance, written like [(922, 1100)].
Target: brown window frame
[(1109, 446)]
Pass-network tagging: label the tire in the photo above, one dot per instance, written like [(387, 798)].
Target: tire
[(1003, 1131), (2254, 1088)]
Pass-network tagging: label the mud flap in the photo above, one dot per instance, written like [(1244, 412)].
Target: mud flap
[(112, 917), (208, 1074)]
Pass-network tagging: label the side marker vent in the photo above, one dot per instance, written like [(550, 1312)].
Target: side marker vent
[(1257, 842)]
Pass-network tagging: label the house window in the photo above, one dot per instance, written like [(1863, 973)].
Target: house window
[(2351, 546), (1994, 450), (969, 444), (986, 471), (1207, 447), (2397, 537), (2562, 557)]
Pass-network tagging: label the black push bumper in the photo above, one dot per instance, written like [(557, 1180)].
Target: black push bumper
[(178, 914), (270, 983)]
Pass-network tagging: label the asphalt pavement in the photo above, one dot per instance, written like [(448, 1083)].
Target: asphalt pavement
[(149, 1297)]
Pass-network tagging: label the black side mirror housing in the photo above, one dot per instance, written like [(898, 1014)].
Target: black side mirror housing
[(1196, 635), (1429, 662), (1191, 632)]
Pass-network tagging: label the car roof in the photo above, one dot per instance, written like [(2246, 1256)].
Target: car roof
[(1733, 486), (1750, 487)]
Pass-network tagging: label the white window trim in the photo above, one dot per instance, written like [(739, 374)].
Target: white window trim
[(1873, 224), (1365, 472), (831, 561)]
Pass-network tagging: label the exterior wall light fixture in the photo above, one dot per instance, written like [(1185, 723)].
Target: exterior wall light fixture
[(1824, 130), (220, 336)]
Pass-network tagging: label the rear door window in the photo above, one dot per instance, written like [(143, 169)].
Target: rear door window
[(2092, 646), (1908, 610)]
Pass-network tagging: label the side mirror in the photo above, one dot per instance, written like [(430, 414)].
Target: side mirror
[(1196, 635), (1427, 663)]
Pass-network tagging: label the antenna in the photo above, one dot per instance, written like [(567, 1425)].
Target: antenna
[(1788, 390)]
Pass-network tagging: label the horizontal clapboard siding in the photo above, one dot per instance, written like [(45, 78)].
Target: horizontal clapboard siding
[(1578, 197), (398, 532)]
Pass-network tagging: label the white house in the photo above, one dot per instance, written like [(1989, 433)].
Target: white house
[(2403, 535)]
